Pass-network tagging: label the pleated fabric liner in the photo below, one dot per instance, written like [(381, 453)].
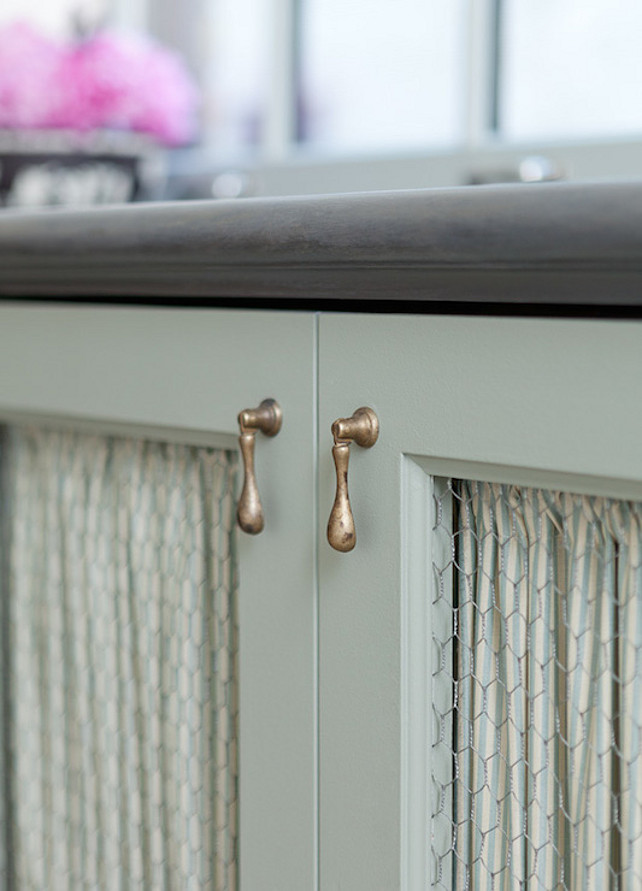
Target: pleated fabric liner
[(120, 697), (537, 690)]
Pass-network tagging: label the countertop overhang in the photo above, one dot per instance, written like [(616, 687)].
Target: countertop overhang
[(554, 244)]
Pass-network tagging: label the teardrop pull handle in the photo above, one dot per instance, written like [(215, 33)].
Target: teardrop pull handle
[(267, 418), (363, 429)]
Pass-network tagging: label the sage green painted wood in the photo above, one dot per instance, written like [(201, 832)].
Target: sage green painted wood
[(191, 372), (555, 399)]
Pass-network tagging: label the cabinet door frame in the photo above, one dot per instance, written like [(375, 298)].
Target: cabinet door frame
[(183, 375), (532, 401)]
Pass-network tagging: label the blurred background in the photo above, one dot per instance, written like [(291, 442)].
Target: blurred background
[(104, 100)]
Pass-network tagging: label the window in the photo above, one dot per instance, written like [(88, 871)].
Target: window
[(417, 93), (377, 78), (591, 83), (305, 96)]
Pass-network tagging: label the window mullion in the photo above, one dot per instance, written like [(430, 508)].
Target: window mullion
[(280, 118), (481, 74)]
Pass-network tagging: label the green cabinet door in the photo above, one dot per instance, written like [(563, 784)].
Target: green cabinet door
[(552, 404), (182, 377)]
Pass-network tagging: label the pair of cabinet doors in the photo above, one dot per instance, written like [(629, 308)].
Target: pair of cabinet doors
[(335, 648)]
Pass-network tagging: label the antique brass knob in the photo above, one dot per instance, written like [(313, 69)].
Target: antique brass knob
[(363, 429), (268, 419)]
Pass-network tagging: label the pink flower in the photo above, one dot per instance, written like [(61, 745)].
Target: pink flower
[(111, 80), (167, 98), (28, 66)]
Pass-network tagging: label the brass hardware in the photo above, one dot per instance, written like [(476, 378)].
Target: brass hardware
[(363, 429), (267, 418)]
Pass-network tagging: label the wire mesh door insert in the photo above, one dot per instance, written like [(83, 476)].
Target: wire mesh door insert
[(537, 689), (119, 653)]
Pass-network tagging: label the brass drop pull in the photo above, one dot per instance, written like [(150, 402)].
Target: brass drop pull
[(268, 419), (363, 429)]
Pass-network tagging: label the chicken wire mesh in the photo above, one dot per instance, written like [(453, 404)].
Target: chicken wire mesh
[(120, 645), (536, 689)]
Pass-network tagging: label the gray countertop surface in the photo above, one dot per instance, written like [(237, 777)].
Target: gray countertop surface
[(545, 244)]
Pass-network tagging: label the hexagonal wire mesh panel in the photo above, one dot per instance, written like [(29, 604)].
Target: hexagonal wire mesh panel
[(537, 689), (120, 654)]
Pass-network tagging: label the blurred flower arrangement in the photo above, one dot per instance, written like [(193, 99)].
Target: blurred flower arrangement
[(105, 81), (84, 121)]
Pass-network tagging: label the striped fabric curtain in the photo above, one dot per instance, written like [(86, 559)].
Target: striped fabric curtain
[(121, 710), (548, 637)]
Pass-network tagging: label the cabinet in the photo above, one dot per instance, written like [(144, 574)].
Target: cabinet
[(336, 649), (184, 376), (523, 401)]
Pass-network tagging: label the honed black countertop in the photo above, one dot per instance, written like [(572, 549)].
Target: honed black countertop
[(565, 245)]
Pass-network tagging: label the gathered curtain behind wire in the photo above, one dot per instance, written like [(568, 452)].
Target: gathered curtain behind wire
[(546, 672), (121, 699)]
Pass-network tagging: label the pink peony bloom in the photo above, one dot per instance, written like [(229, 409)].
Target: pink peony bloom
[(167, 98), (28, 66), (111, 80)]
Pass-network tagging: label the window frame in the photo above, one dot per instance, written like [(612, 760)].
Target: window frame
[(281, 166)]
